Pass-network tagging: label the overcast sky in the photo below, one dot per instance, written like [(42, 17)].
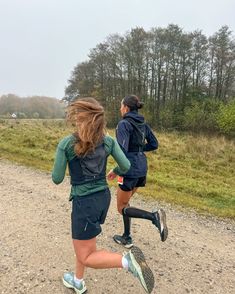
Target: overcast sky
[(42, 40)]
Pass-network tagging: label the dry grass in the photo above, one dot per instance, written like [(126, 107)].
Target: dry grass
[(190, 170)]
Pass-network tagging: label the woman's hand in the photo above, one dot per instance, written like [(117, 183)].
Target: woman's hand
[(111, 175)]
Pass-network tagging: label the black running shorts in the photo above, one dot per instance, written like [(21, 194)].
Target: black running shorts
[(88, 213), (130, 183)]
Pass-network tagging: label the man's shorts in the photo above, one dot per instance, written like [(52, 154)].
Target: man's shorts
[(88, 213), (130, 183)]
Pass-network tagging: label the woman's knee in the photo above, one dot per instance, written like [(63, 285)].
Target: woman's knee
[(122, 205), (81, 259), (84, 258), (83, 249), (123, 198)]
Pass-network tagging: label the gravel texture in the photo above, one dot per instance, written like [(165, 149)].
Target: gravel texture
[(36, 247)]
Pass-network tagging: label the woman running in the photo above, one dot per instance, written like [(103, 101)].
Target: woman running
[(85, 152), (135, 137)]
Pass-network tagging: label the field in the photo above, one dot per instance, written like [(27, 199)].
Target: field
[(193, 171)]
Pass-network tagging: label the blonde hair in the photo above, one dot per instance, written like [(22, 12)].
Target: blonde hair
[(88, 116)]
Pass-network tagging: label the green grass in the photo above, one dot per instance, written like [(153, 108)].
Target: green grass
[(192, 171)]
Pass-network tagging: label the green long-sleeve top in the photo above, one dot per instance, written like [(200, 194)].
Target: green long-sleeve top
[(65, 153)]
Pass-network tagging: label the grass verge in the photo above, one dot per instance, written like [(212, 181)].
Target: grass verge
[(192, 171)]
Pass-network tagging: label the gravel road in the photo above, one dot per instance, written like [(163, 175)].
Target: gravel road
[(36, 247)]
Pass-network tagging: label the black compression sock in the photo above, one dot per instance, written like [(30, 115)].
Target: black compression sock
[(127, 225), (137, 213)]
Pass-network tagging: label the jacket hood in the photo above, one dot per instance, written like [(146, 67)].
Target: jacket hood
[(135, 116)]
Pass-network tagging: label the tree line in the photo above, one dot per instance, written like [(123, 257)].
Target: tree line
[(31, 107), (186, 79)]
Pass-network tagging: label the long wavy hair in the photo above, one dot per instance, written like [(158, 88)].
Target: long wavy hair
[(88, 117)]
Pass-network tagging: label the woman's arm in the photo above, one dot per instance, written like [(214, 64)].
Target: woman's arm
[(60, 164), (118, 155), (152, 142)]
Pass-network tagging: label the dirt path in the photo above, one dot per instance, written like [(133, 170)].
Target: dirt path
[(35, 244)]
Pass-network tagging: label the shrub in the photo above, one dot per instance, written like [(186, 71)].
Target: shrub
[(35, 115), (21, 115), (201, 115), (226, 118), (166, 118)]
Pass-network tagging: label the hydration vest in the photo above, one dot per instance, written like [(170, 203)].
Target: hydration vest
[(89, 168), (137, 137)]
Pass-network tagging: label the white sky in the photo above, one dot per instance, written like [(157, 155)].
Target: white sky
[(42, 40)]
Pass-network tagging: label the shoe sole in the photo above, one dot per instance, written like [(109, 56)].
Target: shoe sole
[(163, 227), (128, 246), (145, 274), (67, 285)]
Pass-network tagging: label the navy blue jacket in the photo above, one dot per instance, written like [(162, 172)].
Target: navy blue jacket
[(137, 159)]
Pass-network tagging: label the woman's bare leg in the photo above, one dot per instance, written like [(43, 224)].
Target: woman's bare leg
[(80, 269), (89, 256), (123, 198)]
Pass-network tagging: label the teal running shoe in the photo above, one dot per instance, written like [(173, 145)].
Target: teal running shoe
[(68, 281), (139, 268)]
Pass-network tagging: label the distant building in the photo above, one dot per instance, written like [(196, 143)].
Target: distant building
[(14, 115)]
